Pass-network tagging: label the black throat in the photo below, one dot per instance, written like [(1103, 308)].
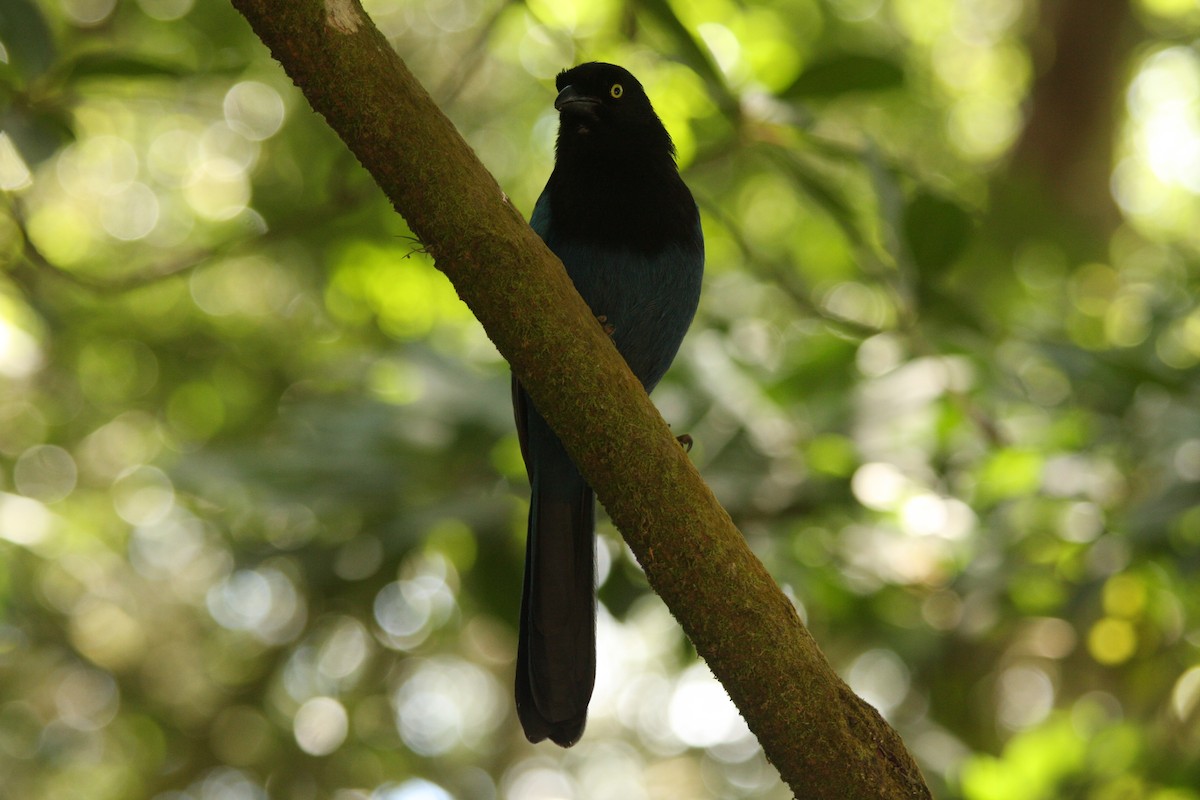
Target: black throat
[(625, 194)]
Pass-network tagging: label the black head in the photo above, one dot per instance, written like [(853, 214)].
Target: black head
[(602, 106)]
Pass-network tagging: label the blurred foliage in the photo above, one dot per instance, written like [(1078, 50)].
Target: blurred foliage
[(261, 504)]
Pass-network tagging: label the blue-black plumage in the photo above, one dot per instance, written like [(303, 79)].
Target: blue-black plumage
[(620, 218)]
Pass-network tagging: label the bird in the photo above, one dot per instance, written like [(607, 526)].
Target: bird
[(620, 218)]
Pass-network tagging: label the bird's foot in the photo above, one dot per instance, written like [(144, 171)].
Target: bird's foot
[(686, 441), (609, 329)]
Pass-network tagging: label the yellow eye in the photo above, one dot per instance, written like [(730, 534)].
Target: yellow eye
[(616, 91)]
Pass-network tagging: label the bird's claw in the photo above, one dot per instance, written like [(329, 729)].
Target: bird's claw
[(608, 328), (686, 441)]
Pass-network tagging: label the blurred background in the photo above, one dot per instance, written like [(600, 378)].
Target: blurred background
[(262, 508)]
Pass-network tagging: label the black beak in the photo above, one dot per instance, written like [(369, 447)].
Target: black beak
[(571, 101)]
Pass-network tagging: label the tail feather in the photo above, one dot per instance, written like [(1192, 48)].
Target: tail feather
[(556, 653)]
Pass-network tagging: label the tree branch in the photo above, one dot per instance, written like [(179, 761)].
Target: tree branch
[(825, 741)]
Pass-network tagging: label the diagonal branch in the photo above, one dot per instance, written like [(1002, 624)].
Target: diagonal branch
[(825, 741)]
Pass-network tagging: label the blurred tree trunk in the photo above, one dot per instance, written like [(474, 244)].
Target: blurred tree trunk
[(826, 741), (1066, 148)]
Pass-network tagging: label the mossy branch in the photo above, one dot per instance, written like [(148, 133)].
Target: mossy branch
[(825, 741)]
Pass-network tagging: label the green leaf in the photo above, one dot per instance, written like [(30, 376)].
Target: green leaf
[(37, 133), (26, 36), (936, 231), (843, 74), (115, 65)]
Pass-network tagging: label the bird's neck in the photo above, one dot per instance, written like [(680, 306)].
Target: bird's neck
[(625, 196)]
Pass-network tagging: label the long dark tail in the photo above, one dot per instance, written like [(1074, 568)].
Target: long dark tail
[(556, 654)]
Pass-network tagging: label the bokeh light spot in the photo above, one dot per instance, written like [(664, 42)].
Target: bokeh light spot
[(107, 634), (407, 610), (880, 678), (700, 712), (88, 13), (130, 213), (345, 650), (86, 699), (218, 189), (20, 355), (46, 473), (540, 783), (412, 789), (1025, 695), (1186, 694), (254, 110), (263, 602), (320, 726), (1112, 641), (1125, 596), (143, 495), (447, 702), (23, 521), (14, 174), (879, 486)]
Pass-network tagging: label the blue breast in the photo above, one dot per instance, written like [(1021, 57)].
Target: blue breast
[(648, 295)]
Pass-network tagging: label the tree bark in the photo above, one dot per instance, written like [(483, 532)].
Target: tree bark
[(825, 741), (1068, 141)]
